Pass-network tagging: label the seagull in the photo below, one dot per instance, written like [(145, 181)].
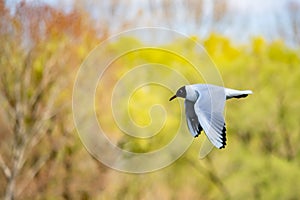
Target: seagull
[(204, 106)]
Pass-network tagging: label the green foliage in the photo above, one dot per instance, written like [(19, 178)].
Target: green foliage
[(262, 155), (261, 160)]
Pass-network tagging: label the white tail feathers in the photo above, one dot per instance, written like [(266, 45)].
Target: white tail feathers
[(231, 93)]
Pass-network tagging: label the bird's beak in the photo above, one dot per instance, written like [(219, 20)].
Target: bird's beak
[(173, 97)]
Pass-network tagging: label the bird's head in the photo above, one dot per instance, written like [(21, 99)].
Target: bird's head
[(181, 92)]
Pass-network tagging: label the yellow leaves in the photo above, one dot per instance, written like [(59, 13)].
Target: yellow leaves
[(258, 45), (259, 66), (279, 52), (82, 51), (38, 68), (220, 49), (194, 38), (271, 70), (139, 106)]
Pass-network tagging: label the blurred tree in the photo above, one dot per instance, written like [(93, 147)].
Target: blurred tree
[(39, 48), (293, 8), (39, 158)]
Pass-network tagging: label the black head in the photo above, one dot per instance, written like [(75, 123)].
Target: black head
[(181, 92)]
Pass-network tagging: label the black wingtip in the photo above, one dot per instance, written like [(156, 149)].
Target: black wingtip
[(241, 96), (199, 129), (223, 137)]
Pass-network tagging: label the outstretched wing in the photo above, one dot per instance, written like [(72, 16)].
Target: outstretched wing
[(192, 119), (209, 110)]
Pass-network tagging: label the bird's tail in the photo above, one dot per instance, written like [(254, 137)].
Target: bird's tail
[(231, 93)]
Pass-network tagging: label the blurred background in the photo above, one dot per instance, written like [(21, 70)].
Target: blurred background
[(255, 45)]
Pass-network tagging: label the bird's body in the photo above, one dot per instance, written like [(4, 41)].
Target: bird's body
[(204, 106)]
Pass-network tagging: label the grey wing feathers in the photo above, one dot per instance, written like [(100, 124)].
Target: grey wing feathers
[(214, 128), (209, 108), (192, 119)]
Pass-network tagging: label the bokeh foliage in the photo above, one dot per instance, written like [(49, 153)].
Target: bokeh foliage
[(261, 160), (262, 156)]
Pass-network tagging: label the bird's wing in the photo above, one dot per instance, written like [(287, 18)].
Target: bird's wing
[(192, 119), (209, 110)]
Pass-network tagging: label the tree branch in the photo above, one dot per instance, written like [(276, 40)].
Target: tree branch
[(5, 168), (33, 172), (212, 175)]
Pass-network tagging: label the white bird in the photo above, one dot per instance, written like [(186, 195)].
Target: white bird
[(204, 106)]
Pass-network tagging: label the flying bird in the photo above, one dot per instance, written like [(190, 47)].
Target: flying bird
[(204, 106)]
